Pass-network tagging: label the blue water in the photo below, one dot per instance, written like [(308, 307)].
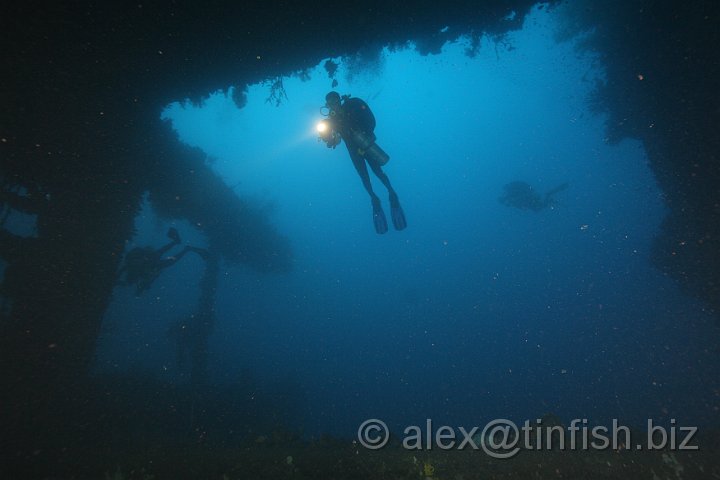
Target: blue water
[(477, 310)]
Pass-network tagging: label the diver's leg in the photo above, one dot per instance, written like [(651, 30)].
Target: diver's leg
[(145, 281), (396, 211), (361, 167), (378, 171), (379, 220)]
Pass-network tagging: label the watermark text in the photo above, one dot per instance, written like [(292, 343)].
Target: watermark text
[(502, 438)]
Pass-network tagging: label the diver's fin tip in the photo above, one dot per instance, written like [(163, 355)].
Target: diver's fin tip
[(379, 219), (397, 214)]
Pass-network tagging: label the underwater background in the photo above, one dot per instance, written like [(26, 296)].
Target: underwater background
[(478, 310)]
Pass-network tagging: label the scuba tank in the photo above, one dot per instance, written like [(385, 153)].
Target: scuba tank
[(367, 146), (365, 142)]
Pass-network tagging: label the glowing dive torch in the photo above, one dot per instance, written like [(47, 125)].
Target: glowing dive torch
[(327, 134), (322, 127)]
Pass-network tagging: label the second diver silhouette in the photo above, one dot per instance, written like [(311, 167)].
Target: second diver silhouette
[(144, 264), (523, 196)]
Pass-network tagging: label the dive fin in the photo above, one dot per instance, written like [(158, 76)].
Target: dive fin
[(379, 219), (397, 214), (548, 196), (557, 189)]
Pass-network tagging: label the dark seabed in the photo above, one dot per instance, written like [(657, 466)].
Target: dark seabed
[(193, 285)]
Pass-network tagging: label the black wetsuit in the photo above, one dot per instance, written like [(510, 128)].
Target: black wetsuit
[(355, 123), (355, 114)]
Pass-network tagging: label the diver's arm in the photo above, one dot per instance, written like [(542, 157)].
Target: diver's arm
[(162, 250)]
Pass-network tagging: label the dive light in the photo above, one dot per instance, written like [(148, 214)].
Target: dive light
[(365, 142), (322, 127), (327, 134)]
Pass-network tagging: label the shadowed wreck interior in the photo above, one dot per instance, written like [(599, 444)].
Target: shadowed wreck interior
[(82, 142)]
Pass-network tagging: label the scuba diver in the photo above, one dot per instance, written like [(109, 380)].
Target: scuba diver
[(350, 119), (144, 264), (522, 195)]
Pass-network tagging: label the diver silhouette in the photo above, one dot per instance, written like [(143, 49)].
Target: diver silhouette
[(351, 120), (144, 264), (523, 196)]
